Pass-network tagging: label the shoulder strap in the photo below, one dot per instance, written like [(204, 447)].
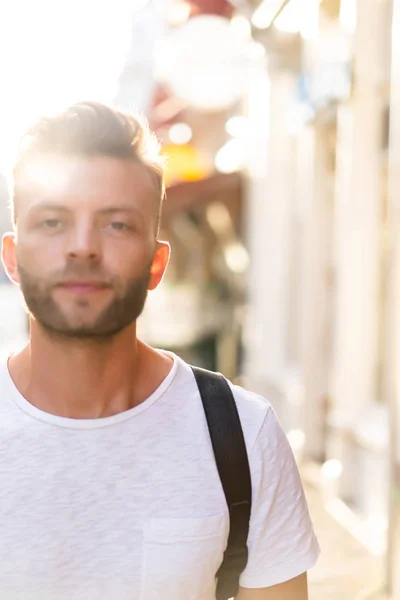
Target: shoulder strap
[(234, 471)]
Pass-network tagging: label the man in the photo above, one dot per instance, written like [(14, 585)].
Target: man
[(108, 485)]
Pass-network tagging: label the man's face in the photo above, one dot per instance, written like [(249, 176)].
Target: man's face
[(85, 251)]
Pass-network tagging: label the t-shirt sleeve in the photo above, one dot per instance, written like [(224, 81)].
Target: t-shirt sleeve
[(281, 541)]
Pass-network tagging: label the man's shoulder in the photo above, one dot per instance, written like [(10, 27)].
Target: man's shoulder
[(249, 402), (254, 411)]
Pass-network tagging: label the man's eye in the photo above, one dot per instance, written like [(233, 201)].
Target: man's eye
[(51, 223), (119, 226)]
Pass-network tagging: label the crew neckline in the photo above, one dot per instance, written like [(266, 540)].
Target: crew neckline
[(72, 423)]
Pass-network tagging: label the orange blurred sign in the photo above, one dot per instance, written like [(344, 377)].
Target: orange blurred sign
[(184, 163)]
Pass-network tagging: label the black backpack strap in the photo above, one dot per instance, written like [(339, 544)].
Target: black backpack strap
[(234, 471)]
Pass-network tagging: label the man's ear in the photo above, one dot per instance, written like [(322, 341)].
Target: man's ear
[(159, 264), (8, 257)]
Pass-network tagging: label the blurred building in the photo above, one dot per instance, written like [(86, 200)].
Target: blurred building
[(323, 295)]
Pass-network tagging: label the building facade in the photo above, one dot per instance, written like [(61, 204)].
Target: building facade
[(322, 337)]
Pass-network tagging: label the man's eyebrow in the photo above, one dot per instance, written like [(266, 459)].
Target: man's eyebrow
[(120, 208), (47, 206)]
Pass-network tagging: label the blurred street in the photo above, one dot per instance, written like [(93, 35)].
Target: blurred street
[(345, 570)]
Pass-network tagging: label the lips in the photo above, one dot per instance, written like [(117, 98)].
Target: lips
[(84, 286)]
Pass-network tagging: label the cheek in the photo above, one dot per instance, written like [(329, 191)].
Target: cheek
[(26, 257), (35, 258), (128, 259)]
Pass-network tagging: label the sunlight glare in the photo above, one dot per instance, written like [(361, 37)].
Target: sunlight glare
[(59, 53)]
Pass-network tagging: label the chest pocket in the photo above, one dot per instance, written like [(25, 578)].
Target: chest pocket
[(181, 557)]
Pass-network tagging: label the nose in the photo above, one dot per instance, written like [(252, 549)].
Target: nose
[(84, 243)]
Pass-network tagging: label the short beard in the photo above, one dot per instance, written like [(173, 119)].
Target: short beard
[(124, 309)]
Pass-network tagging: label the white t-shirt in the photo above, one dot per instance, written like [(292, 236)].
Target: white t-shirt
[(130, 507)]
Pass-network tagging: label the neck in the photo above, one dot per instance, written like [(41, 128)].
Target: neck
[(79, 379)]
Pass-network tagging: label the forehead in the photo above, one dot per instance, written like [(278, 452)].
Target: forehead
[(90, 182)]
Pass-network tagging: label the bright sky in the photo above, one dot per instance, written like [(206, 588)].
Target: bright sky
[(53, 52)]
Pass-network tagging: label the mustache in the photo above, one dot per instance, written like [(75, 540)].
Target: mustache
[(81, 274)]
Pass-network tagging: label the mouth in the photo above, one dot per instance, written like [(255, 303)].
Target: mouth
[(84, 287)]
